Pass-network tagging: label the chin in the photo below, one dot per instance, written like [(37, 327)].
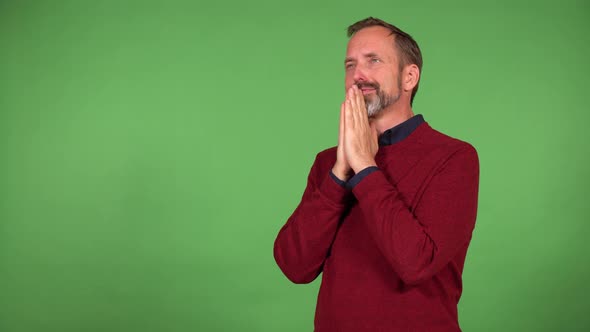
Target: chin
[(369, 98), (373, 114)]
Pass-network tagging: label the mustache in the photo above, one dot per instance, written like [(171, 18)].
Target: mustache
[(373, 85)]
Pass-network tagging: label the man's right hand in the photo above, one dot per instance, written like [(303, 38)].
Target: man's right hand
[(341, 168)]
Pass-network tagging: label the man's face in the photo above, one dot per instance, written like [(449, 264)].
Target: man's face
[(372, 64)]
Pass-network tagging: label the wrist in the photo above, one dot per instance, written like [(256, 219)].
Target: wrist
[(342, 173), (363, 165)]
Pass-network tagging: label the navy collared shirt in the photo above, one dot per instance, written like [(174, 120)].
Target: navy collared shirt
[(390, 136)]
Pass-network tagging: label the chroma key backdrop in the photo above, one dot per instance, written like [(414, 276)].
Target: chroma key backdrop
[(150, 151)]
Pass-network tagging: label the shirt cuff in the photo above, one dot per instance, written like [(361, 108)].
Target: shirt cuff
[(333, 191), (358, 177), (337, 180)]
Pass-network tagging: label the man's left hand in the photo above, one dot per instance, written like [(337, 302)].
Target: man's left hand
[(360, 137)]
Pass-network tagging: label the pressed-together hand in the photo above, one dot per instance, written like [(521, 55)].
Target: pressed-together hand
[(357, 139), (341, 168), (360, 138)]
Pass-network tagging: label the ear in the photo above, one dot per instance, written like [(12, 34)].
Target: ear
[(410, 77)]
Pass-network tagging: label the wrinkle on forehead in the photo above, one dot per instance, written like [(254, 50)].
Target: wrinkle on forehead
[(377, 40), (373, 39)]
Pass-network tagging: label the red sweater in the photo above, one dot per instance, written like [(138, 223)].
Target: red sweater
[(392, 250)]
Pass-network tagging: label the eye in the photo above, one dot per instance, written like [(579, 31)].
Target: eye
[(375, 60), (349, 65)]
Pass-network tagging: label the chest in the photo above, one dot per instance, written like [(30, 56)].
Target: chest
[(410, 174)]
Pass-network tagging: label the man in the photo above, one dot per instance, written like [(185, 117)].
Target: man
[(388, 214)]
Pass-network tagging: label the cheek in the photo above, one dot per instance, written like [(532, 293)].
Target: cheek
[(348, 81), (390, 85)]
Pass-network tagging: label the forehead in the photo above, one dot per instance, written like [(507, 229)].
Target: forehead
[(375, 39)]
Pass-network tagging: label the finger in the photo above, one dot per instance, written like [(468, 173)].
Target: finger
[(341, 126), (358, 111), (350, 96), (355, 98), (363, 109), (361, 100), (348, 115)]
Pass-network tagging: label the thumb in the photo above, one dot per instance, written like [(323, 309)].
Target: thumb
[(374, 132)]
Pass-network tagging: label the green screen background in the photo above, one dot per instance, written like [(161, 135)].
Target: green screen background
[(151, 151)]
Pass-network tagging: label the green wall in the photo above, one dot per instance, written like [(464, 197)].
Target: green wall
[(151, 151)]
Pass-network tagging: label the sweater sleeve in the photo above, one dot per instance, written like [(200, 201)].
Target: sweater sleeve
[(304, 242), (419, 242)]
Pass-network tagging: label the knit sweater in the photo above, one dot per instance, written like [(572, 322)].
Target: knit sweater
[(391, 250)]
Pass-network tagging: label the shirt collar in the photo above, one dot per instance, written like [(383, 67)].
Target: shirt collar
[(401, 131)]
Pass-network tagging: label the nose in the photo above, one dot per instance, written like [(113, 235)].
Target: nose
[(359, 74)]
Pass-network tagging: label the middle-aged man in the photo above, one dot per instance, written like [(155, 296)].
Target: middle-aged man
[(388, 214)]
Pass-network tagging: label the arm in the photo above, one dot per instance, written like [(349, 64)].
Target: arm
[(419, 243), (304, 242)]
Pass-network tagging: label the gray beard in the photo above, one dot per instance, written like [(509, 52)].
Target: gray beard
[(376, 104)]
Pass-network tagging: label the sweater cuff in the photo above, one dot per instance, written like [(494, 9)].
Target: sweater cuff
[(333, 191), (358, 177), (372, 181)]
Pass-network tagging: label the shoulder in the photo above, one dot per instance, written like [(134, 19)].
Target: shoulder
[(325, 159), (449, 152), (435, 151), (323, 163), (327, 154), (446, 144)]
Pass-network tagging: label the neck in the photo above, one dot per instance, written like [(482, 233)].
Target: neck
[(391, 117)]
